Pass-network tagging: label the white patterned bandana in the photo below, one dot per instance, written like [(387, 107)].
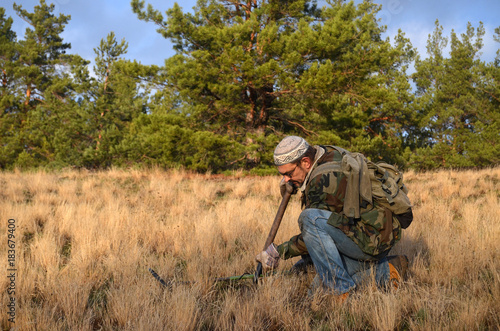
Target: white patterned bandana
[(290, 149)]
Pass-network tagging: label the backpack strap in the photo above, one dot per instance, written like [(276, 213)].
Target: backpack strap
[(326, 168), (387, 190)]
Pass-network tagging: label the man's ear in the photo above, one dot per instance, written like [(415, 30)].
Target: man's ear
[(306, 161)]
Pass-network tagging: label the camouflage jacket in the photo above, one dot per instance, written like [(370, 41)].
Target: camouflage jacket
[(375, 232)]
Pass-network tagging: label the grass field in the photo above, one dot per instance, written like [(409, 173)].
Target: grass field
[(84, 242)]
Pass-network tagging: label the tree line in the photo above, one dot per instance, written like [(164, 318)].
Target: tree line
[(245, 74)]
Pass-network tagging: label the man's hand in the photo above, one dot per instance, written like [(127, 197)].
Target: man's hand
[(284, 186), (269, 258)]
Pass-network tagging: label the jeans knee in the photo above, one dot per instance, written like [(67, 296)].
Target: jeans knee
[(307, 218)]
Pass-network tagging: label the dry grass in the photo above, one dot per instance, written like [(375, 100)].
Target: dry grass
[(85, 242)]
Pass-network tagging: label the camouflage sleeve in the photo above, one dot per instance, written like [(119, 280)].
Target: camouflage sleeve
[(294, 247)]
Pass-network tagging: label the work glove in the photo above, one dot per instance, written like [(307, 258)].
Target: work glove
[(284, 186), (269, 258)]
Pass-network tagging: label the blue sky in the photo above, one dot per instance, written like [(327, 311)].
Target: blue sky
[(92, 20)]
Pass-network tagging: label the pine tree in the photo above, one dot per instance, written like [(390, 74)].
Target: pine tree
[(41, 108), (353, 84), (114, 99), (458, 114), (223, 68), (10, 121), (484, 144), (255, 70)]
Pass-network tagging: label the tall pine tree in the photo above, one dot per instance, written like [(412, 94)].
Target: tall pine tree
[(10, 117), (117, 96), (38, 81), (457, 100), (255, 70)]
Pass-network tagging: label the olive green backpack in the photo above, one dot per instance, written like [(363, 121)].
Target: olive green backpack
[(379, 181), (375, 196)]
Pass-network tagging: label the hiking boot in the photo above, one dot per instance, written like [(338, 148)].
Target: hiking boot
[(398, 267), (400, 262)]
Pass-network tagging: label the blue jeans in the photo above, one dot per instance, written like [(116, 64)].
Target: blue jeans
[(339, 262)]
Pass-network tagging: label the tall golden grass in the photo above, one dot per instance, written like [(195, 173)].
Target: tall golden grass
[(85, 241)]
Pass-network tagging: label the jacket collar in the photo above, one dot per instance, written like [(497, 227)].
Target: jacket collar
[(320, 151)]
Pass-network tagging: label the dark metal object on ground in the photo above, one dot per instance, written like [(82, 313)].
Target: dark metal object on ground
[(158, 278), (170, 283), (269, 241)]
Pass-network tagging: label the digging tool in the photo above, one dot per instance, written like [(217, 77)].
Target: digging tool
[(170, 283), (270, 238), (274, 228)]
